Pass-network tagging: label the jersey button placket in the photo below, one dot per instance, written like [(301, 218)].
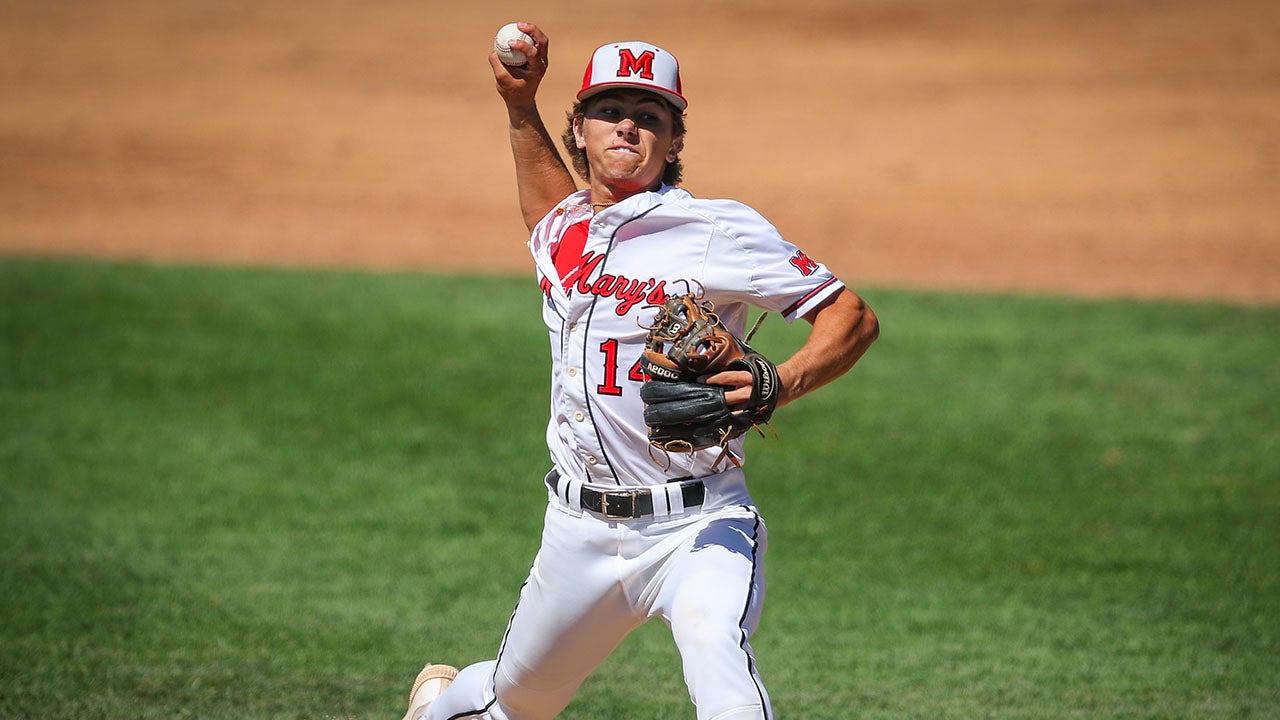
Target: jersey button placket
[(586, 347), (574, 399)]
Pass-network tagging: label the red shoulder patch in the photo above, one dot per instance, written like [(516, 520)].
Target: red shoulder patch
[(803, 263)]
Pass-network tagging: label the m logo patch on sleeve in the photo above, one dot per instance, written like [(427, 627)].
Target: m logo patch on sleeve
[(803, 263)]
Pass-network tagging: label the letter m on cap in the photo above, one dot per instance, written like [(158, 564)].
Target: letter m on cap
[(629, 64)]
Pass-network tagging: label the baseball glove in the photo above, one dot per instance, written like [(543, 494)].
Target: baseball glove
[(685, 343)]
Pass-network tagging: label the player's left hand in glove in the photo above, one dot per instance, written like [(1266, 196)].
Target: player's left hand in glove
[(686, 343)]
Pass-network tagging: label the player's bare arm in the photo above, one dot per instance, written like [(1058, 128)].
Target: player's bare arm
[(843, 328), (542, 178)]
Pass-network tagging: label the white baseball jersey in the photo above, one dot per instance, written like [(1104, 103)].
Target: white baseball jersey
[(635, 254)]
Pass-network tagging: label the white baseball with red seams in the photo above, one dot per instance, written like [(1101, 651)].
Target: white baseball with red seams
[(502, 44)]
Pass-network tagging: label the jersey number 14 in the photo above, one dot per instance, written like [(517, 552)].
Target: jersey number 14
[(610, 385)]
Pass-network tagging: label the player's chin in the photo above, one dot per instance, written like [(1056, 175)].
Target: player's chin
[(630, 181), (624, 169)]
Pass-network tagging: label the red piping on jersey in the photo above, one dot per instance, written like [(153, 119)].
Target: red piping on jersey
[(808, 296)]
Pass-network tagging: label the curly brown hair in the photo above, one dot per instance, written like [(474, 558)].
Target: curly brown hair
[(671, 175)]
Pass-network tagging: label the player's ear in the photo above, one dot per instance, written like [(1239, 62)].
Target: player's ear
[(578, 138), (677, 146)]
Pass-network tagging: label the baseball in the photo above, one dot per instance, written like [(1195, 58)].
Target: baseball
[(502, 44)]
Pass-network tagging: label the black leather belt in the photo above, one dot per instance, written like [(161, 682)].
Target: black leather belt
[(631, 503)]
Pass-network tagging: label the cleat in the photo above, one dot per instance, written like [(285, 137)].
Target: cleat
[(431, 681)]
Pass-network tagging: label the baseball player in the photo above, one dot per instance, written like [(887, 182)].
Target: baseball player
[(629, 537)]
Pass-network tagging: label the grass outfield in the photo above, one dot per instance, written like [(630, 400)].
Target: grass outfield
[(274, 494)]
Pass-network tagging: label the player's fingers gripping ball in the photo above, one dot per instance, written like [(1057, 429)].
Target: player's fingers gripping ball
[(686, 341), (502, 44)]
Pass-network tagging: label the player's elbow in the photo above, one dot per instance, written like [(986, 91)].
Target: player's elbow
[(868, 329), (862, 325), (861, 329)]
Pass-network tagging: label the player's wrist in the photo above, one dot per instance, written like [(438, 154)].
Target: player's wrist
[(790, 382), (523, 114)]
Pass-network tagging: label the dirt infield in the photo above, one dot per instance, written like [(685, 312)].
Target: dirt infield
[(1117, 148)]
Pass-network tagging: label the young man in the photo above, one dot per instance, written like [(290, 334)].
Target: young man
[(627, 539)]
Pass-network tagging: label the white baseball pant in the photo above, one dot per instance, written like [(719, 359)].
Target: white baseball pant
[(594, 580)]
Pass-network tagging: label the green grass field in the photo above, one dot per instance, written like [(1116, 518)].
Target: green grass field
[(275, 494)]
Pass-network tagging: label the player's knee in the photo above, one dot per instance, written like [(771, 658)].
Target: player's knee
[(530, 696), (701, 634)]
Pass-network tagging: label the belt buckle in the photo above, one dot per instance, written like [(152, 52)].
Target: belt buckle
[(629, 511)]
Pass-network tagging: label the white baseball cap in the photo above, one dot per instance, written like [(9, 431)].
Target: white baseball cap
[(633, 65)]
